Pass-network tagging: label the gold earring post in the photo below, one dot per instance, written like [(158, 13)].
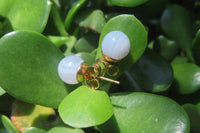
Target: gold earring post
[(109, 80)]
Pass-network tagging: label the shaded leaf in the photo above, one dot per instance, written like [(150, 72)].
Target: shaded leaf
[(194, 115), (176, 24), (166, 48), (86, 43), (196, 47), (152, 73), (88, 58)]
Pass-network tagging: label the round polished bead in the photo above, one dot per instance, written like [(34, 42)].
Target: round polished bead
[(68, 68), (115, 45)]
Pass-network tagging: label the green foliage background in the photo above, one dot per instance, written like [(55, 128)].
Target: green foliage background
[(159, 89)]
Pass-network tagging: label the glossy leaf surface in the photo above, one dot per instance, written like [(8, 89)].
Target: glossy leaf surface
[(64, 130), (143, 112), (28, 68), (152, 73), (83, 107), (26, 115), (91, 19), (126, 3), (26, 15), (135, 31), (187, 77)]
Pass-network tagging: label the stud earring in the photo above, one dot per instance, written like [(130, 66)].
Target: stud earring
[(115, 46), (73, 69)]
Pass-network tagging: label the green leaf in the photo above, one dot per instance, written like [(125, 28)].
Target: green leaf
[(58, 41), (186, 76), (26, 15), (87, 43), (152, 73), (34, 130), (65, 130), (28, 68), (135, 31), (194, 115), (5, 6), (176, 24), (166, 48), (2, 91), (196, 47), (8, 124), (91, 19), (88, 58), (85, 107), (126, 3), (73, 10), (26, 115), (143, 112)]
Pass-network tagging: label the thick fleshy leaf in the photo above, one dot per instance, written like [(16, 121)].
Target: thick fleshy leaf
[(194, 115), (152, 72), (136, 33), (8, 124), (187, 77), (28, 68), (26, 115), (5, 6), (196, 47), (91, 19), (34, 130), (65, 130), (85, 107), (88, 58), (176, 24), (143, 112), (126, 3), (166, 48), (2, 91), (26, 15), (87, 43)]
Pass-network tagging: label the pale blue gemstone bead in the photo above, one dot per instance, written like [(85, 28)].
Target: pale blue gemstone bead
[(68, 68), (116, 45)]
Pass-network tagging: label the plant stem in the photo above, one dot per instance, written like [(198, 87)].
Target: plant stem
[(72, 12)]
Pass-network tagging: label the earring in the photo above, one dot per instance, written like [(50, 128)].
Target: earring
[(115, 46)]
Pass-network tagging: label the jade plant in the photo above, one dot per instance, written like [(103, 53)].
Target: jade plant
[(159, 90)]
